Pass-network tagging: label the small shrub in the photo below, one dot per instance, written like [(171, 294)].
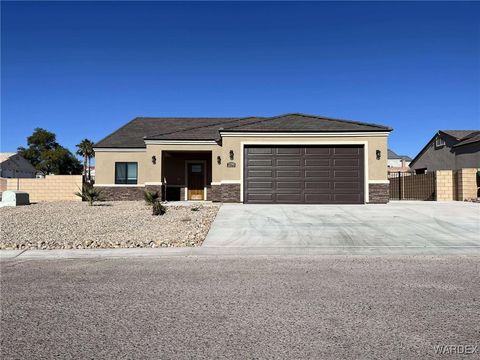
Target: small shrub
[(89, 193), (158, 208), (150, 197)]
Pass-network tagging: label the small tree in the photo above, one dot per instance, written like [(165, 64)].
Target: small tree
[(90, 194)]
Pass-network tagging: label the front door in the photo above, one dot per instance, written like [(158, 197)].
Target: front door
[(196, 181)]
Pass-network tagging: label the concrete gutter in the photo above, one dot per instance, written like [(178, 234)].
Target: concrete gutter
[(6, 255)]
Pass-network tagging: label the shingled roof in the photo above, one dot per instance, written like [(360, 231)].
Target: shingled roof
[(469, 139), (459, 134), (393, 155), (134, 133)]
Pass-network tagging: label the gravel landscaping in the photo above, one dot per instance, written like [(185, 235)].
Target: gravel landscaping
[(120, 224)]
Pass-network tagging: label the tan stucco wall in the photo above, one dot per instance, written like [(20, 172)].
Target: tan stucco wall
[(147, 171), (50, 188), (151, 173), (105, 165)]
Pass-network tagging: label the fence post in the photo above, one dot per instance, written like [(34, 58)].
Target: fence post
[(399, 185)]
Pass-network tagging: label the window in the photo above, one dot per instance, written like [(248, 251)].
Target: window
[(126, 172), (196, 168), (439, 142)]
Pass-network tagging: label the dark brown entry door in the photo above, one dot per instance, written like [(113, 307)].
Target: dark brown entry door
[(304, 174), (196, 181)]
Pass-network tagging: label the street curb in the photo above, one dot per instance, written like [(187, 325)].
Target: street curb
[(6, 255)]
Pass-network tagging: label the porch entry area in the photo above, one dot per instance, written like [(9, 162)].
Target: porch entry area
[(187, 175)]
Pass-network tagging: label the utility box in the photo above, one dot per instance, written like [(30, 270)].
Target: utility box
[(14, 198)]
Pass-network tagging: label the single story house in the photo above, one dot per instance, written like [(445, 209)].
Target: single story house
[(13, 165), (292, 158), (449, 150)]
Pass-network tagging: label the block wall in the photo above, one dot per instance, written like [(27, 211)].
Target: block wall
[(51, 188), (445, 185), (467, 187)]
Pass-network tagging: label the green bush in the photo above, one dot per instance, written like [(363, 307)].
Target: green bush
[(158, 208), (90, 194), (151, 197)]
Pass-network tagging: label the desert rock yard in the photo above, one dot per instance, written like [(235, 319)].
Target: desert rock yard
[(122, 224)]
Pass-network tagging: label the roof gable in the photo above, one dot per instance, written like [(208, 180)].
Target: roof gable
[(461, 137)]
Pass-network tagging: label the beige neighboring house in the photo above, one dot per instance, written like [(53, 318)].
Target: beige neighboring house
[(292, 158), (12, 165), (398, 163)]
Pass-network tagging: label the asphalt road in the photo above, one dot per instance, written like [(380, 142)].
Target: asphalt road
[(325, 307)]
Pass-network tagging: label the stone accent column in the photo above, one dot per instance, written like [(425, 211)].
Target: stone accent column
[(378, 193), (224, 193), (444, 185), (231, 193), (467, 184), (215, 193)]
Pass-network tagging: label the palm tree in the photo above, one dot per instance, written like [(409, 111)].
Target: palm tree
[(85, 149)]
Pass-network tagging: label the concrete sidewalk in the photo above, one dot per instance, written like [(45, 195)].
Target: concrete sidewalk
[(6, 255)]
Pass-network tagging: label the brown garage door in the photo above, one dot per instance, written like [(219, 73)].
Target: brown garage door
[(306, 174)]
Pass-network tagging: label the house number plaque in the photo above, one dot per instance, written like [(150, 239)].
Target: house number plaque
[(231, 164)]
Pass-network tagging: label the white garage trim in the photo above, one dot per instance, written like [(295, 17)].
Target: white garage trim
[(119, 185), (320, 143), (120, 149), (379, 181), (180, 142), (226, 182)]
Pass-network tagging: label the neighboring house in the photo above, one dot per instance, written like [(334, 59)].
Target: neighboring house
[(398, 163), (449, 150), (292, 158), (12, 165)]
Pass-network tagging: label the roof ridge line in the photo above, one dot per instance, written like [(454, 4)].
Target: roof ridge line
[(342, 120), (261, 120), (321, 118)]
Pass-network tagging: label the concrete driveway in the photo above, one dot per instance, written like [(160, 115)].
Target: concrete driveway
[(397, 224)]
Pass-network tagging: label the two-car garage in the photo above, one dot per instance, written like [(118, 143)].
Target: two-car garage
[(304, 174)]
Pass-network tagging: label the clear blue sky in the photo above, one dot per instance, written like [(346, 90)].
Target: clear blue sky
[(84, 69)]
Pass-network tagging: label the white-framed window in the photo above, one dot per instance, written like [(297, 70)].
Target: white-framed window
[(439, 142)]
